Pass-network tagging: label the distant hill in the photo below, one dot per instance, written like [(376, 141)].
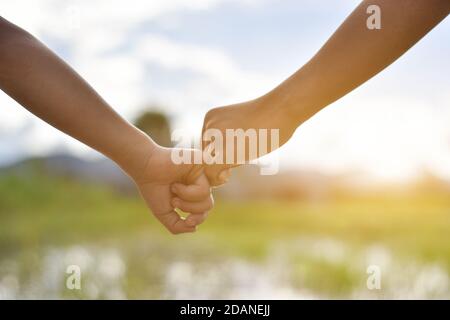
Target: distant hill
[(103, 171), (245, 183)]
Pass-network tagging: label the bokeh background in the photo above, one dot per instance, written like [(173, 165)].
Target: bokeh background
[(365, 182)]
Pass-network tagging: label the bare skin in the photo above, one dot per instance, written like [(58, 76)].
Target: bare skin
[(45, 85), (352, 55), (49, 88)]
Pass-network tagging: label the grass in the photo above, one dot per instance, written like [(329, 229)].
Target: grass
[(37, 211), (43, 210)]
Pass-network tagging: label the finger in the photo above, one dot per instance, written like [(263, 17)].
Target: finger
[(193, 174), (224, 175), (194, 207), (218, 175), (196, 219), (174, 223), (192, 192)]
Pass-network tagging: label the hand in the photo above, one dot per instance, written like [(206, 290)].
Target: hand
[(263, 113), (165, 186)]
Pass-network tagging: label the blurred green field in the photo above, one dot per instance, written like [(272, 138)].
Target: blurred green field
[(38, 212)]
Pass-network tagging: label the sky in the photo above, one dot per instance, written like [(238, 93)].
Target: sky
[(189, 56)]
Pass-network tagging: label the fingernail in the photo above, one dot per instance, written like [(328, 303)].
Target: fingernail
[(173, 188)]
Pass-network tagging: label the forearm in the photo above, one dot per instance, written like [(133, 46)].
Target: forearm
[(45, 85), (355, 53)]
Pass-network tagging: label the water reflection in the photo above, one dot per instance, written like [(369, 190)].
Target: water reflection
[(299, 269)]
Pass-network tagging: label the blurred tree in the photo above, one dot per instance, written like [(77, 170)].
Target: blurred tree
[(157, 125)]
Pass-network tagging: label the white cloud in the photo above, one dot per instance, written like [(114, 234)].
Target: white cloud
[(89, 35), (389, 136), (215, 65), (56, 16)]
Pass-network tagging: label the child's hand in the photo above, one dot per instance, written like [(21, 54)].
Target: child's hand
[(165, 186)]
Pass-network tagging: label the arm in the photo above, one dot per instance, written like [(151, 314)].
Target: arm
[(349, 58), (354, 53), (45, 85)]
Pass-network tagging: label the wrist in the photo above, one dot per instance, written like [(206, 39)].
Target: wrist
[(135, 153), (298, 97), (278, 106)]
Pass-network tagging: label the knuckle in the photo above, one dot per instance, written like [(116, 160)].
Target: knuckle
[(205, 192), (209, 205), (210, 115)]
